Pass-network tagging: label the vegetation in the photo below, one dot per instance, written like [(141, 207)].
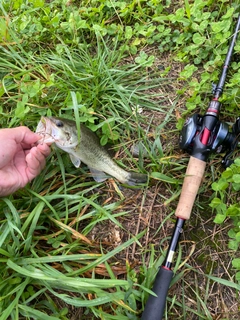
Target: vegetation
[(72, 248)]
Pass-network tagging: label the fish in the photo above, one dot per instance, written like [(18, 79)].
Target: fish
[(63, 132)]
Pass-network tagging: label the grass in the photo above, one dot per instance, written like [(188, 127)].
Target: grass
[(72, 248)]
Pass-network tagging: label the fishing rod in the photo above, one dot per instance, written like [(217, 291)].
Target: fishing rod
[(200, 136)]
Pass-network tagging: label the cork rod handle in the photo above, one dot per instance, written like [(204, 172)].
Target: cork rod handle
[(191, 184)]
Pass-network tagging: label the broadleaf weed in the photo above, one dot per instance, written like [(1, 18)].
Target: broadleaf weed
[(91, 60), (228, 207)]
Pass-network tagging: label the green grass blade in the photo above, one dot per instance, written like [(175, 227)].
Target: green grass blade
[(27, 311)]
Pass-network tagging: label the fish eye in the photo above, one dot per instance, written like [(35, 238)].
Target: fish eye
[(59, 124)]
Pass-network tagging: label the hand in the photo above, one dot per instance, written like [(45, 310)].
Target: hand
[(20, 160)]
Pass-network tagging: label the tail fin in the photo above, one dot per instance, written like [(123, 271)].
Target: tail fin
[(136, 178)]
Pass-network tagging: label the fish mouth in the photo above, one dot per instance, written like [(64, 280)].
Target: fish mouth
[(44, 130)]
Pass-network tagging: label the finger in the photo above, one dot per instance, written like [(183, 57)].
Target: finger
[(22, 135), (36, 161), (44, 149)]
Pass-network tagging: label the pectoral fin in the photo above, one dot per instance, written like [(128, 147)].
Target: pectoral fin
[(76, 161), (98, 176)]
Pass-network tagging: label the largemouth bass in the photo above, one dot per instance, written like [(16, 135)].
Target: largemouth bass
[(63, 133)]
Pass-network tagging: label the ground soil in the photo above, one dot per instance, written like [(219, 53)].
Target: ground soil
[(204, 245)]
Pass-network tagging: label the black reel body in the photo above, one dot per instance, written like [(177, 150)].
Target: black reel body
[(220, 138)]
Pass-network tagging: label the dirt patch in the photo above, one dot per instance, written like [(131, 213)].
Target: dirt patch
[(203, 246)]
